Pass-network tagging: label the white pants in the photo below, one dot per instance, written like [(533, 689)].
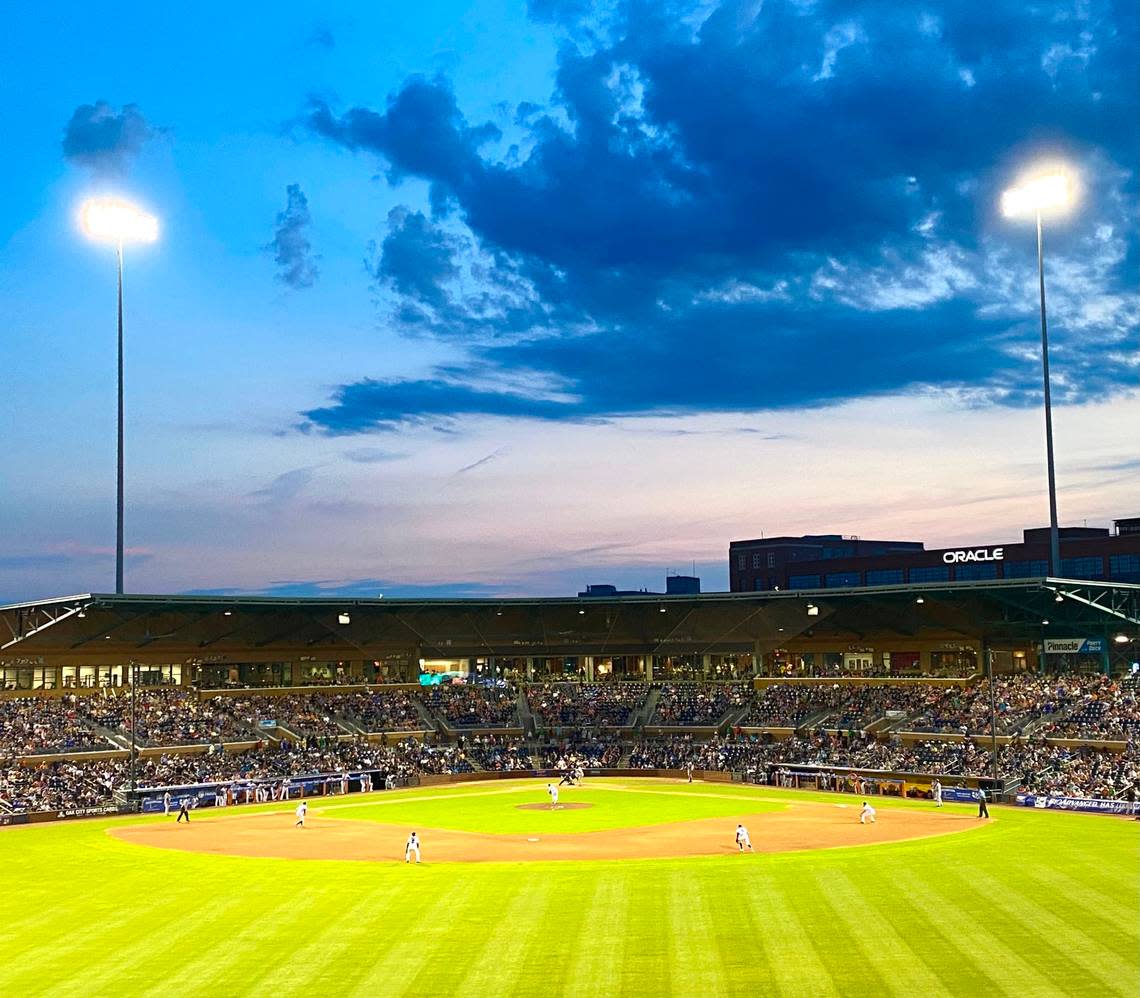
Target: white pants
[(744, 843), (408, 852), (868, 814)]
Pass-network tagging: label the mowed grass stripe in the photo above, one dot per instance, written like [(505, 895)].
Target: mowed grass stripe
[(947, 927), (1088, 955), (500, 966), (805, 954), (597, 953), (394, 967), (1095, 902), (865, 911), (691, 934)]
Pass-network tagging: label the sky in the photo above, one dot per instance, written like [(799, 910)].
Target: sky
[(492, 298)]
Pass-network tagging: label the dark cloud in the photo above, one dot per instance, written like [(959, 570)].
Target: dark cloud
[(363, 588), (764, 206), (104, 140), (372, 455), (291, 248)]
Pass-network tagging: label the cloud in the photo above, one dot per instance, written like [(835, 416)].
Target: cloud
[(103, 140), (290, 247), (322, 37), (494, 455), (372, 455), (746, 207), (362, 588), (285, 486)]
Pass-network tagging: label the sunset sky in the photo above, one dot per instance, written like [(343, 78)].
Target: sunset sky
[(508, 298)]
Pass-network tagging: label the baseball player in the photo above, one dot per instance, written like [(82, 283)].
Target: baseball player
[(689, 772), (412, 846), (166, 802), (553, 791), (302, 810), (937, 789), (183, 810), (983, 811), (866, 812), (742, 840)]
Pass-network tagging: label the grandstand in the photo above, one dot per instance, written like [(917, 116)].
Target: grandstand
[(979, 693)]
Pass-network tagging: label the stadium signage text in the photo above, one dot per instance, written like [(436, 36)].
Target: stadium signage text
[(1078, 804), (1073, 646), (973, 554)]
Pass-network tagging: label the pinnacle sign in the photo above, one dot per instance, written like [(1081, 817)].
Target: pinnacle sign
[(973, 554)]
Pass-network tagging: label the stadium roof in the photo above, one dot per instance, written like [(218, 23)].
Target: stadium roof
[(262, 628)]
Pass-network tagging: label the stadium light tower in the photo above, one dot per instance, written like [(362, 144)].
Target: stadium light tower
[(112, 220), (1044, 191)]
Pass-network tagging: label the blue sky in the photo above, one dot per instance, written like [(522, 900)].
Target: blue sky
[(491, 297)]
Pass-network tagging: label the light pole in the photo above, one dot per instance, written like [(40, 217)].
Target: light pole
[(1043, 192), (115, 221)]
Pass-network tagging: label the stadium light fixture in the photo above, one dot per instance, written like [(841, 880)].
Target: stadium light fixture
[(1058, 598), (113, 220), (812, 610), (1120, 639), (920, 600), (343, 617), (581, 612), (1044, 623), (1046, 190), (227, 613)]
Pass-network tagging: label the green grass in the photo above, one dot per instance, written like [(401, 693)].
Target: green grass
[(1034, 904)]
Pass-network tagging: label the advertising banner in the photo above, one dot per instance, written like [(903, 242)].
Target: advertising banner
[(1074, 646), (1077, 804)]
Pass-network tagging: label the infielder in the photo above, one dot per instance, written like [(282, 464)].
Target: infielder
[(302, 810), (553, 791), (937, 788), (166, 802), (742, 840), (412, 846), (689, 772), (866, 812)]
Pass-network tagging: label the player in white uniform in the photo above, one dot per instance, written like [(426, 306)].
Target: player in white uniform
[(412, 846), (865, 813), (302, 810), (742, 840), (553, 791), (937, 790), (166, 802)]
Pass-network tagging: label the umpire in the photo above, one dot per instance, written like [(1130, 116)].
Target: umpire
[(983, 811)]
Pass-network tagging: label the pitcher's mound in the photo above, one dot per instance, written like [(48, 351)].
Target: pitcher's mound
[(580, 806)]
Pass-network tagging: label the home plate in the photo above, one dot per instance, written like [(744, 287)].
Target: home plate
[(532, 840)]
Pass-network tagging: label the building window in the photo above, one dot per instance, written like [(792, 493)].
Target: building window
[(839, 580), (759, 584), (771, 559), (935, 573), (1026, 569), (740, 563), (756, 561), (964, 573), (885, 577), (1082, 568), (1124, 567), (803, 581)]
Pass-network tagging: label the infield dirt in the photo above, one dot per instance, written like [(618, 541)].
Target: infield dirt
[(799, 826)]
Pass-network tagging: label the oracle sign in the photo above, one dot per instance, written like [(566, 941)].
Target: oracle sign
[(974, 554)]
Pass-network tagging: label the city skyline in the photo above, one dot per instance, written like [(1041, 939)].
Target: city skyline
[(483, 300)]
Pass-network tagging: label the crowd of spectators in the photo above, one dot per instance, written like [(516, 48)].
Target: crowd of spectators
[(390, 710), (496, 753), (698, 704), (475, 706), (586, 704), (790, 704), (167, 717), (36, 725)]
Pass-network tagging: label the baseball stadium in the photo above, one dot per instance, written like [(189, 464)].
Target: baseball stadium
[(875, 790)]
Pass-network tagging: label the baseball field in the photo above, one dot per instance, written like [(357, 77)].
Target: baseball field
[(631, 887)]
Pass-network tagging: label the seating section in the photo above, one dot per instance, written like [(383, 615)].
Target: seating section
[(698, 704), (1031, 708), (475, 706), (586, 704)]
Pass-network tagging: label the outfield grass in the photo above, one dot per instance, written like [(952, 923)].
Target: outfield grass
[(1034, 904)]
